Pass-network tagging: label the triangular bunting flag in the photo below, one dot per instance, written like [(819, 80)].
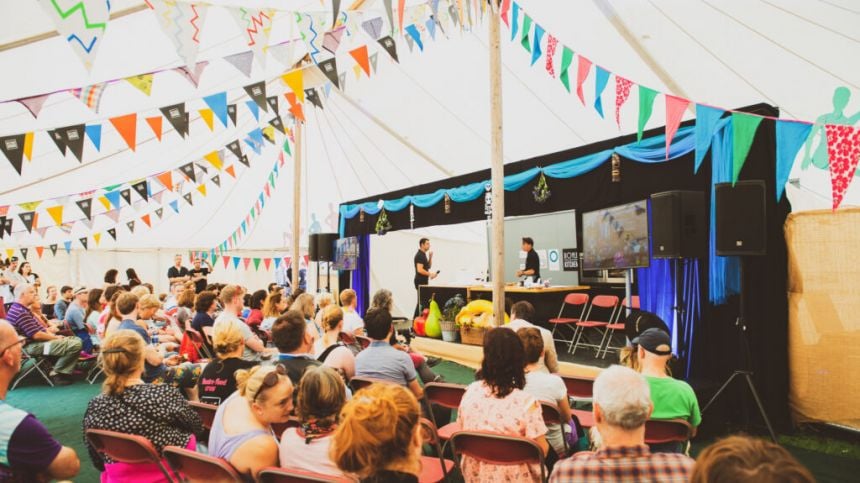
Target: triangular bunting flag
[(166, 179), (84, 242), (373, 58), (231, 113), (39, 251), (56, 213), (126, 195), (675, 107), (257, 93), (566, 60), (254, 108), (622, 92), (94, 132), (646, 107), (13, 148), (217, 180), (28, 146), (202, 189), (329, 68), (82, 24), (113, 215), (145, 219), (277, 263), (244, 160), (105, 202), (527, 25), (431, 27), (744, 127), (218, 105), (113, 198), (208, 117), (313, 97), (410, 42), (53, 249), (130, 226), (582, 70), (389, 12), (181, 23), (112, 232), (342, 80), (236, 148), (373, 27), (73, 137), (97, 237), (843, 150), (277, 124), (226, 260), (257, 264), (86, 207), (601, 78), (790, 137), (707, 118), (231, 171), (360, 56), (126, 126), (68, 246), (256, 25), (188, 171), (243, 62), (141, 188), (536, 52), (142, 82), (159, 212), (28, 218), (34, 104), (193, 76), (246, 262), (390, 46), (273, 103), (413, 32), (174, 205), (91, 96), (214, 158), (236, 262), (187, 197), (24, 252), (177, 118), (58, 139), (331, 40), (294, 79), (155, 125), (269, 134), (267, 262)]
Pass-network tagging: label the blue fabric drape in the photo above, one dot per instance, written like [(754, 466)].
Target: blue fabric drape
[(653, 150), (361, 274), (692, 296), (724, 272)]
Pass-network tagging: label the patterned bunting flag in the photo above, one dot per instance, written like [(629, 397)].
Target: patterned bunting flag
[(91, 96), (389, 45), (843, 150), (622, 92), (181, 23), (142, 82), (256, 25), (551, 46), (81, 23), (13, 148)]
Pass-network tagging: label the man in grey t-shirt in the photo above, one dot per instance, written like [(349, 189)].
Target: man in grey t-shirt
[(380, 360)]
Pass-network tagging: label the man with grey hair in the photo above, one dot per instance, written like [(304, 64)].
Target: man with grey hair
[(622, 404), (40, 341)]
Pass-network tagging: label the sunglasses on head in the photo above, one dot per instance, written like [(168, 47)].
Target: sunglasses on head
[(271, 379)]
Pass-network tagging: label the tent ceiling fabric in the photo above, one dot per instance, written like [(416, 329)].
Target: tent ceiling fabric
[(791, 53)]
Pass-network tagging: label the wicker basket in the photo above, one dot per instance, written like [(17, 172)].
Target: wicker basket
[(472, 335), (450, 332)]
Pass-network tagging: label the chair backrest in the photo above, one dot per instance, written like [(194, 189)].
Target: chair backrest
[(195, 336), (279, 428), (667, 431), (497, 449), (199, 468), (605, 301), (358, 383), (363, 341), (205, 411), (126, 448), (632, 302), (576, 299), (444, 394), (579, 387), (285, 475), (551, 414)]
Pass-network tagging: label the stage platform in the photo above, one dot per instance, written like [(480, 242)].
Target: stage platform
[(471, 355)]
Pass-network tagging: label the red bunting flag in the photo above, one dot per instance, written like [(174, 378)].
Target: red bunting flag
[(166, 178), (582, 74), (39, 251), (622, 92), (247, 262), (226, 261), (267, 262), (551, 46), (843, 149), (675, 107)]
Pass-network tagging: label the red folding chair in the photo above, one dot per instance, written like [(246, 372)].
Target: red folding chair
[(660, 431), (205, 411), (199, 343), (604, 303), (127, 448), (611, 329), (285, 475), (363, 341), (279, 428), (30, 364), (574, 300), (194, 467), (497, 449), (552, 415), (448, 396), (358, 383), (579, 388), (433, 468)]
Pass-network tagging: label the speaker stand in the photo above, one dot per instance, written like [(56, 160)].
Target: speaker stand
[(744, 373)]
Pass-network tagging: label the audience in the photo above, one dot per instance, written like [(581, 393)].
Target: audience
[(255, 316), (128, 405), (40, 340), (382, 362), (673, 398), (30, 452), (63, 302), (522, 315), (26, 273), (231, 297), (295, 344), (352, 322), (304, 304), (329, 349), (75, 318), (133, 279), (323, 300), (113, 317), (743, 459), (241, 432), (9, 280), (92, 314), (622, 404), (495, 402), (48, 304), (378, 437), (275, 305), (218, 381), (321, 396), (205, 306), (185, 307), (110, 277), (544, 387)]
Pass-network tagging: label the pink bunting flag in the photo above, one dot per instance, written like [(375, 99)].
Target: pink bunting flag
[(34, 104), (551, 45), (193, 76), (246, 261), (581, 75), (675, 107), (622, 92), (843, 149), (226, 261)]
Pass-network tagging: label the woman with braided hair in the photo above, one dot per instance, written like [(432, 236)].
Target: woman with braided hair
[(378, 438)]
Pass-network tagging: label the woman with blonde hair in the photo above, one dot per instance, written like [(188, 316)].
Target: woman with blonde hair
[(304, 303), (378, 437), (218, 380), (323, 300), (127, 405), (329, 349), (273, 307), (321, 396), (242, 429)]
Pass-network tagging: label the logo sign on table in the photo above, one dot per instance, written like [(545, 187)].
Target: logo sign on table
[(570, 260)]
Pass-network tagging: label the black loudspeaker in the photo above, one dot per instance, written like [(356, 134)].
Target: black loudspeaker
[(679, 228), (741, 216), (313, 247), (325, 246)]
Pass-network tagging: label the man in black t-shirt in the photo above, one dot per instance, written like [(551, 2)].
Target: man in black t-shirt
[(532, 268), (198, 274), (423, 261), (177, 273)]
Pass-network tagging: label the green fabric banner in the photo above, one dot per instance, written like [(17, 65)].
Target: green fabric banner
[(744, 127), (646, 107)]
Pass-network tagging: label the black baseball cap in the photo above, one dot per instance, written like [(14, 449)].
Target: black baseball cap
[(655, 341)]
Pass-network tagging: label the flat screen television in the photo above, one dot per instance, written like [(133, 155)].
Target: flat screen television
[(346, 253), (616, 237)]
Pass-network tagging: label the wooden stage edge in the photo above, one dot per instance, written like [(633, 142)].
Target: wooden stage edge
[(471, 356)]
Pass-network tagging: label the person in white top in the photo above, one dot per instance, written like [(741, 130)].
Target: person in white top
[(522, 313), (231, 297), (352, 322)]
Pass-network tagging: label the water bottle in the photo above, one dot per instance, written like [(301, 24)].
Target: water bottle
[(154, 339)]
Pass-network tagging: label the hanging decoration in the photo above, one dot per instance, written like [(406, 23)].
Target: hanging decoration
[(541, 191), (82, 23), (382, 223)]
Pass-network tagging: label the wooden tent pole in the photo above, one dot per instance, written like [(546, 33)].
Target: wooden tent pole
[(297, 200), (497, 169)]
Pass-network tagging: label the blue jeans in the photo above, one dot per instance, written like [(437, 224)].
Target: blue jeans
[(86, 340)]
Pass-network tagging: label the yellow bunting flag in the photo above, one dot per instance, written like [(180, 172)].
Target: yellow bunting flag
[(202, 189), (56, 213), (214, 159), (105, 202), (357, 70), (296, 82), (97, 237), (208, 117), (142, 82), (30, 205), (28, 146), (10, 252)]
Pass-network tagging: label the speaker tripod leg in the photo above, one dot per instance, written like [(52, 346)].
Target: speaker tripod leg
[(748, 377), (720, 391)]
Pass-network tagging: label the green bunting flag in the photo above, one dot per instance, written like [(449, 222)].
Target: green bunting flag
[(527, 25), (646, 107), (257, 264), (566, 60), (744, 127)]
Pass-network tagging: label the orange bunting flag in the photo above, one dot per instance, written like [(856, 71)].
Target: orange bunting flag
[(296, 82), (360, 56), (28, 146), (97, 237), (208, 117), (230, 170), (145, 219), (56, 213), (155, 124), (401, 8), (39, 251), (126, 126), (166, 178), (214, 159), (202, 189), (298, 112)]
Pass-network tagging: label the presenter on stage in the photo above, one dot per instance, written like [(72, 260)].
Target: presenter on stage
[(532, 260), (423, 260)]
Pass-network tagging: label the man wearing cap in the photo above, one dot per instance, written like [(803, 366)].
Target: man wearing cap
[(75, 317), (40, 341), (672, 398), (9, 279)]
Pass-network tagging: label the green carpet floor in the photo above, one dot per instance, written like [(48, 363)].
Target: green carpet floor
[(61, 410)]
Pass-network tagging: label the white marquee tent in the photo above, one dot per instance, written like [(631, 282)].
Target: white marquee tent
[(422, 119)]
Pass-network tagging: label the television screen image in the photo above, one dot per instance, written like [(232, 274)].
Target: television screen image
[(346, 253), (616, 237)]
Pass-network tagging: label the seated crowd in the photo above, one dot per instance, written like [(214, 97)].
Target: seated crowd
[(273, 368)]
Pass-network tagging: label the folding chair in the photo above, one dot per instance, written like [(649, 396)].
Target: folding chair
[(205, 411), (604, 302), (193, 467), (95, 371), (614, 327), (199, 343), (358, 383), (433, 468), (666, 432), (448, 396), (574, 300), (364, 341), (35, 364), (279, 428), (497, 449), (127, 448), (552, 415), (580, 389), (285, 475)]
